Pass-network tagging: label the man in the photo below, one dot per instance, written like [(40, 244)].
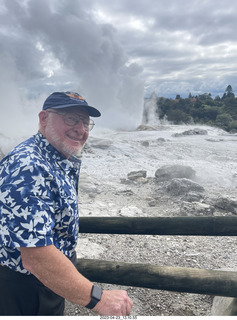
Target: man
[(39, 219)]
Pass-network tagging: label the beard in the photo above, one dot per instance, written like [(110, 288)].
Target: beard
[(62, 146)]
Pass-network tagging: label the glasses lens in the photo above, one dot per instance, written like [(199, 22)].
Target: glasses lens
[(72, 120)]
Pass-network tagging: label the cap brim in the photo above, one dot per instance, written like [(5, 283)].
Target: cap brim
[(93, 112)]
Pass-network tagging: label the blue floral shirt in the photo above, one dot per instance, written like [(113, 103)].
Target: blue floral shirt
[(38, 200)]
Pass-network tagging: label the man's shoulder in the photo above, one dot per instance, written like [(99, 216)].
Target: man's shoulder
[(24, 150), (27, 153)]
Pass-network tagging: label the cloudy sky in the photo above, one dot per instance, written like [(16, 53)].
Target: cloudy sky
[(115, 52)]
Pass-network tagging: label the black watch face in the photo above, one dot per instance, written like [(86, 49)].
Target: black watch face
[(96, 293)]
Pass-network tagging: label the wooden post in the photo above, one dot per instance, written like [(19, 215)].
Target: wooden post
[(201, 281), (199, 226)]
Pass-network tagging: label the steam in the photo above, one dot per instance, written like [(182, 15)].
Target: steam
[(18, 114), (56, 46)]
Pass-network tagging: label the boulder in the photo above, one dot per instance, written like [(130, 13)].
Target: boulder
[(178, 187), (124, 191), (195, 131), (134, 175), (224, 306), (192, 197), (169, 172), (145, 143), (196, 209), (226, 204)]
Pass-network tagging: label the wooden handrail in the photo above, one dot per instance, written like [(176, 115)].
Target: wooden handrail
[(199, 226), (191, 280)]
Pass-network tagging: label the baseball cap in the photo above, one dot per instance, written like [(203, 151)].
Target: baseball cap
[(59, 100)]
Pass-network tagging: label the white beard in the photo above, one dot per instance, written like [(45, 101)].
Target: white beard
[(62, 147)]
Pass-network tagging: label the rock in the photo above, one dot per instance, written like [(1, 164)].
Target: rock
[(122, 191), (169, 172), (178, 187), (192, 197), (125, 181), (195, 131), (160, 140), (134, 175), (226, 204), (152, 203), (224, 306), (145, 143), (130, 211), (196, 209), (144, 127), (99, 143)]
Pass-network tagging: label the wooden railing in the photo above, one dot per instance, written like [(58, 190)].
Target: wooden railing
[(192, 280)]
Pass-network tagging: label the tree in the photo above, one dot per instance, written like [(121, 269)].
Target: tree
[(220, 112), (223, 120), (211, 113), (228, 92), (178, 116)]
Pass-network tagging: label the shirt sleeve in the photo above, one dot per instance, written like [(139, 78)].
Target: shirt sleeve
[(26, 205)]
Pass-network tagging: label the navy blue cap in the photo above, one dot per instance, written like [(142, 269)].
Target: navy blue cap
[(59, 100)]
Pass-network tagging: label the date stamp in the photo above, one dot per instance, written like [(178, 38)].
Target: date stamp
[(118, 317)]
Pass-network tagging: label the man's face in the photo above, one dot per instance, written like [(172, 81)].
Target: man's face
[(68, 140)]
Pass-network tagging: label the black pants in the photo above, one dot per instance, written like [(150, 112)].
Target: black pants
[(22, 294)]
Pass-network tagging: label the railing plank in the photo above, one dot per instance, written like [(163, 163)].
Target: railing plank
[(191, 280), (200, 226)]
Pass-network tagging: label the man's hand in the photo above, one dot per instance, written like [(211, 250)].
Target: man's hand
[(114, 303)]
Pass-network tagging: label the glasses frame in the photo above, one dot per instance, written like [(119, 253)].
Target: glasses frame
[(87, 127)]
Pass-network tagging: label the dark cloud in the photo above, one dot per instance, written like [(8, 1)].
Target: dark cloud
[(106, 50), (60, 44), (183, 40)]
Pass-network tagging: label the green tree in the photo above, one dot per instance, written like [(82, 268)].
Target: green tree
[(228, 93), (223, 120), (230, 107), (233, 126), (178, 116), (220, 112), (210, 113)]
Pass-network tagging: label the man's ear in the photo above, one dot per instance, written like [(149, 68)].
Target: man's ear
[(43, 118)]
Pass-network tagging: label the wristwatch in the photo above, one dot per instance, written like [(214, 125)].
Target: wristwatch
[(96, 293)]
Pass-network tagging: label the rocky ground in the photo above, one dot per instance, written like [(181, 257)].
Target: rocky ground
[(207, 186), (144, 196)]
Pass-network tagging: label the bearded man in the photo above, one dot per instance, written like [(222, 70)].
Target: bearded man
[(39, 217)]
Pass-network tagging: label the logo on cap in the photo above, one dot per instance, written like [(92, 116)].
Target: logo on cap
[(74, 95)]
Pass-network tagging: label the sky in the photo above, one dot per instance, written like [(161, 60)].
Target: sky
[(114, 53)]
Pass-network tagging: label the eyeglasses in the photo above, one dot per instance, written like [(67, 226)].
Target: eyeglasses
[(73, 119)]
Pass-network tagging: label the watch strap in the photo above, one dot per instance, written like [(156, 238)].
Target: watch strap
[(96, 293)]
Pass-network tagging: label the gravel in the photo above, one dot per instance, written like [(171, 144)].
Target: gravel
[(183, 251)]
